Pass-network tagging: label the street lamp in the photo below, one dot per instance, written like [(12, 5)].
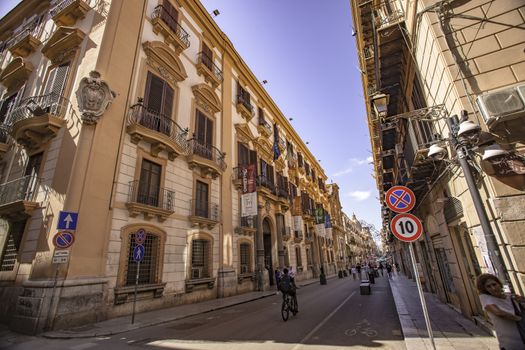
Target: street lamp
[(380, 102), (462, 137)]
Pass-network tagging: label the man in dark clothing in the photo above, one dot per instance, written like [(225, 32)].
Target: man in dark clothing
[(287, 286)]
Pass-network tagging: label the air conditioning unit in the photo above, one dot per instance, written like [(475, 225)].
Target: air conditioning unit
[(502, 105), (196, 272)]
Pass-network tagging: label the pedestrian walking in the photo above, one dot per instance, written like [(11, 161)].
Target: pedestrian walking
[(277, 278), (381, 268), (354, 272), (500, 308), (389, 270), (358, 268)]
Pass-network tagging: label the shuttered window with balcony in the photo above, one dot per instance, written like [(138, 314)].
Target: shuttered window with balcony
[(204, 130), (267, 172), (6, 105), (149, 183), (298, 256), (207, 56), (243, 154), (170, 15), (243, 95), (158, 97)]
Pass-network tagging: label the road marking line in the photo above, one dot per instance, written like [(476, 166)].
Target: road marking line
[(312, 332)]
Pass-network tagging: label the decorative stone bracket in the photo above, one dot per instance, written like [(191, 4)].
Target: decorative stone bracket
[(94, 97)]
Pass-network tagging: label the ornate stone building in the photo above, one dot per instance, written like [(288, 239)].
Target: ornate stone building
[(127, 127), (444, 85)]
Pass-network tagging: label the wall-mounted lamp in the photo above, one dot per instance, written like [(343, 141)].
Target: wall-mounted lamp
[(437, 152), (354, 33), (493, 151), (468, 131), (215, 13), (380, 102), (264, 82), (290, 119), (307, 142)]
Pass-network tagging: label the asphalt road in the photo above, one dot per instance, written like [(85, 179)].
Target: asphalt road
[(332, 316)]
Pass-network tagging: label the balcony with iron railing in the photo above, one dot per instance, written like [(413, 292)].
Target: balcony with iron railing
[(168, 26), (18, 198), (158, 130), (211, 72), (244, 107), (298, 236), (204, 214), (389, 13), (209, 159), (142, 200), (286, 233), (247, 225), (4, 139), (37, 119), (26, 40), (68, 12), (265, 185), (308, 238), (263, 127)]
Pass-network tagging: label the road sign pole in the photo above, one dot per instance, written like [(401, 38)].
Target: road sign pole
[(421, 295), (135, 297)]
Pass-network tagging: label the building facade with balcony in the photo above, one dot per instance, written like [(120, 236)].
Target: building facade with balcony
[(423, 62), (138, 119)]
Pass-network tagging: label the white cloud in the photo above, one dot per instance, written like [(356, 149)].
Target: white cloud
[(354, 162), (359, 195)]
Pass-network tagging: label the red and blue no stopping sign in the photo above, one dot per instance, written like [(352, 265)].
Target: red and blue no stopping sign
[(400, 199), (63, 240)]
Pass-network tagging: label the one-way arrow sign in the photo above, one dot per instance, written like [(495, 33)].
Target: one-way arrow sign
[(67, 220)]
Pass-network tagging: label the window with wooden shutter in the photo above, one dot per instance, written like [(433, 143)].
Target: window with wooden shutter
[(149, 183), (6, 105), (170, 15), (54, 89), (243, 154), (253, 158), (203, 135), (207, 56), (158, 100), (201, 199)]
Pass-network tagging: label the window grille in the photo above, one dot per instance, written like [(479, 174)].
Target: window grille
[(148, 265), (245, 258), (298, 255), (200, 258), (12, 245)]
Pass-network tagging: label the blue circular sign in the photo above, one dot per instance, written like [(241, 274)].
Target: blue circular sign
[(63, 239), (400, 199)]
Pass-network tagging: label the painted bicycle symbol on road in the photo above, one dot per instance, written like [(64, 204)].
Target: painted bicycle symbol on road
[(362, 327)]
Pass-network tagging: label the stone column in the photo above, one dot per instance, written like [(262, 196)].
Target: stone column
[(259, 246), (280, 248)]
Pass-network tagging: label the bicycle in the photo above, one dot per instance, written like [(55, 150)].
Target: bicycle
[(287, 306)]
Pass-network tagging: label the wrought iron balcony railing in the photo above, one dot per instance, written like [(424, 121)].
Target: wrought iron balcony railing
[(162, 198), (208, 152), (265, 181), (265, 125), (161, 12), (155, 121), (248, 222), (32, 29), (208, 62), (246, 103), (21, 189), (4, 134), (36, 106), (281, 191), (203, 209)]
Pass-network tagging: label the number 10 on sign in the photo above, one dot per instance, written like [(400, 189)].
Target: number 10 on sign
[(406, 227)]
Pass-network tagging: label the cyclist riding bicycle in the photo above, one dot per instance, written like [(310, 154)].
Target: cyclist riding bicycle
[(287, 286)]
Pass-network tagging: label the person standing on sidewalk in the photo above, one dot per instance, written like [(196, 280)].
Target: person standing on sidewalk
[(498, 306), (354, 272)]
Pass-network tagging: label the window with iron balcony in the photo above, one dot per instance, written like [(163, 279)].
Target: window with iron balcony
[(244, 106), (165, 20)]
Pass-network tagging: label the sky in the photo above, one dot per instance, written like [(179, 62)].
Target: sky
[(306, 52)]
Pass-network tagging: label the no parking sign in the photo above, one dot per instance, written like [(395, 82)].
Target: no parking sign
[(400, 199)]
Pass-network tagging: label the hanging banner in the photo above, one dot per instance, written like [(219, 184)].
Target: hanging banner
[(248, 178), (297, 209), (320, 230), (328, 226), (249, 204), (297, 223)]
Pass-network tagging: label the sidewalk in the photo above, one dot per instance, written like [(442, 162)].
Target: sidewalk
[(151, 318), (450, 329)]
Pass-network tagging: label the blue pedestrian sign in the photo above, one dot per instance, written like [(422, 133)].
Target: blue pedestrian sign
[(67, 220), (138, 253)]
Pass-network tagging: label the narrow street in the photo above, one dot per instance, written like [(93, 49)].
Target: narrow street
[(333, 316)]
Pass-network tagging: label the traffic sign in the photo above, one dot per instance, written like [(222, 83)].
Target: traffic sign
[(60, 256), (406, 227), (63, 239), (67, 220), (400, 199), (138, 253), (140, 236)]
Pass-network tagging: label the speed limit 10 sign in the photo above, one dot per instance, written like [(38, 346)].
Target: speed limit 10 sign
[(406, 227)]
